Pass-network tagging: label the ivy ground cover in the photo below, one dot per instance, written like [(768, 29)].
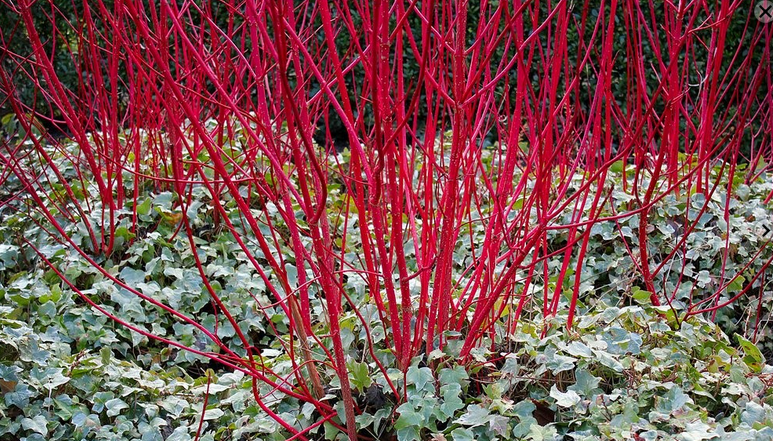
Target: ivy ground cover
[(626, 370)]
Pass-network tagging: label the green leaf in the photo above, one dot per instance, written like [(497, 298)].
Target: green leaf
[(524, 409), (460, 434), (542, 433), (674, 400), (457, 374), (499, 424), (475, 416), (524, 426), (408, 424), (179, 434), (115, 406), (144, 208), (736, 285), (697, 431), (420, 378), (641, 296), (331, 431), (752, 355), (174, 405), (36, 424), (8, 255), (556, 362), (213, 413), (131, 276), (579, 349), (606, 359), (9, 373), (19, 397), (358, 374), (408, 417), (80, 419), (585, 384), (364, 420), (64, 407), (451, 401), (753, 413), (564, 399), (410, 433), (617, 167), (292, 274), (55, 380)]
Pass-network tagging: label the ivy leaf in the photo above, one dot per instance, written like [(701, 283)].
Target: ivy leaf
[(460, 434), (524, 409), (292, 274), (752, 355), (420, 378), (36, 424), (703, 278), (641, 296), (143, 209), (364, 420), (451, 401), (697, 431), (19, 397), (213, 414), (579, 349), (174, 405), (542, 433), (179, 434), (556, 362), (475, 416), (673, 400), (456, 375), (524, 426), (736, 285), (131, 276), (115, 406), (408, 416), (498, 424), (753, 414), (585, 384), (8, 373), (8, 255), (358, 374), (564, 399), (608, 361), (408, 423), (619, 341)]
